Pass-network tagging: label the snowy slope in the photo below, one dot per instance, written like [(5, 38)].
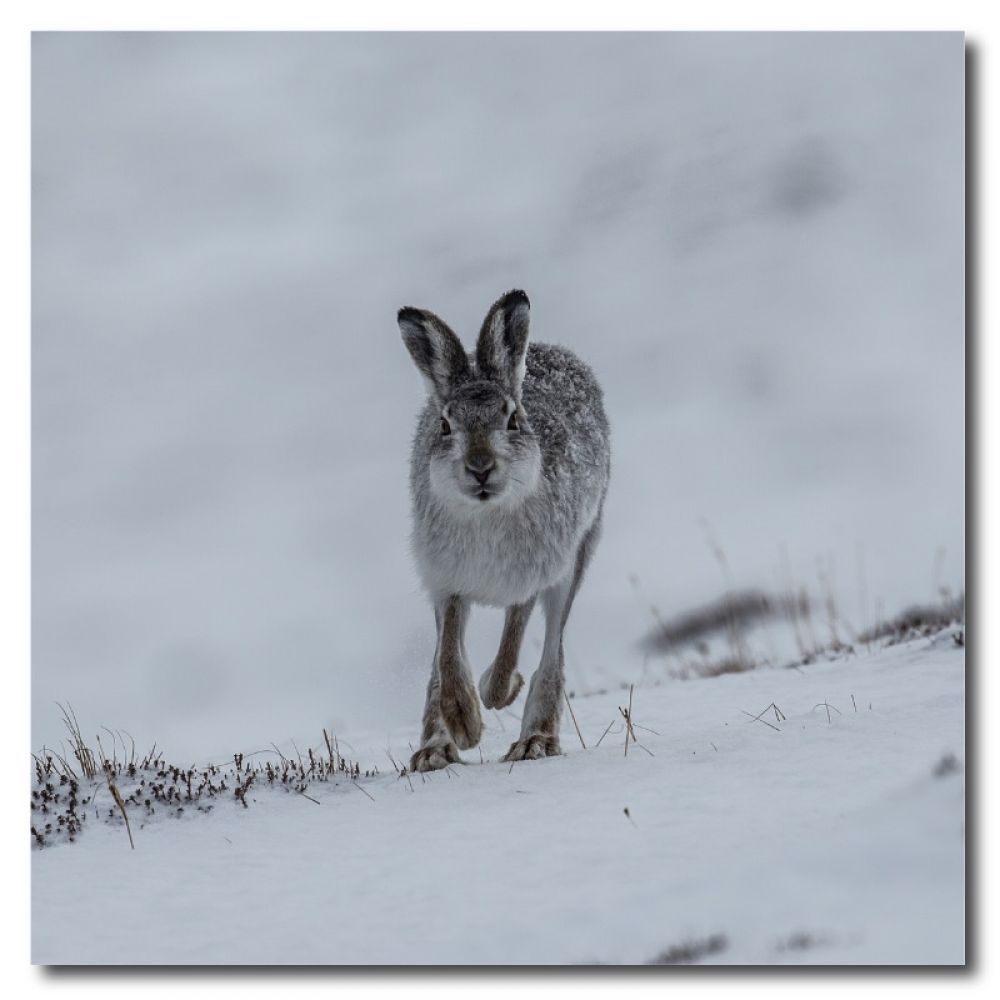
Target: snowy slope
[(811, 839), (756, 240)]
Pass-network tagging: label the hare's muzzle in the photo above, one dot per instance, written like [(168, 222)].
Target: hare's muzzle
[(479, 463)]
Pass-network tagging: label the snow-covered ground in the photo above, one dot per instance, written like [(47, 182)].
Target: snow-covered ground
[(756, 240), (810, 839)]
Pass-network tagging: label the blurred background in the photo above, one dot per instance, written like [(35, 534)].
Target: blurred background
[(756, 240)]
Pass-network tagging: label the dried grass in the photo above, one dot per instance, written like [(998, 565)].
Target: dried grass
[(63, 799)]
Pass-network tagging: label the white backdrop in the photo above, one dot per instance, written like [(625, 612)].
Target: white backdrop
[(756, 240)]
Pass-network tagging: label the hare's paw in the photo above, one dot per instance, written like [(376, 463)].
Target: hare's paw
[(498, 692), (534, 748), (434, 756), (460, 712)]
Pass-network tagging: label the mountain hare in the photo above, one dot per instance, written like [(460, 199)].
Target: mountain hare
[(508, 475)]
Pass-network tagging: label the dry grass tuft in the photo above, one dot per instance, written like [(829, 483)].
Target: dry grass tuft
[(948, 764), (62, 800), (731, 614), (727, 665), (919, 620), (801, 941), (690, 952), (81, 751)]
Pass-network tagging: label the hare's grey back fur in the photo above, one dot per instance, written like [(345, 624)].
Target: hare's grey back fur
[(508, 553), (509, 470)]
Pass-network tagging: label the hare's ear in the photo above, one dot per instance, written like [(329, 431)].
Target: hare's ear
[(503, 341), (435, 349)]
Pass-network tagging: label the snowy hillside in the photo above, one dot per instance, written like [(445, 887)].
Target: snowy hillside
[(757, 241), (830, 831)]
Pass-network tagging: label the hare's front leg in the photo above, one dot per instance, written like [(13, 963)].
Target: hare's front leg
[(451, 713), (501, 683)]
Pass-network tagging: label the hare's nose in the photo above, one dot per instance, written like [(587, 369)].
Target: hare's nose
[(480, 465)]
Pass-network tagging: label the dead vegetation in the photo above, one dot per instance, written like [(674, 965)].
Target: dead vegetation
[(948, 764), (713, 639), (919, 620), (690, 952), (629, 727), (66, 792), (801, 941), (733, 612)]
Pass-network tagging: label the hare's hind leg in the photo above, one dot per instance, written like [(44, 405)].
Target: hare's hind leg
[(451, 713), (501, 682), (540, 722)]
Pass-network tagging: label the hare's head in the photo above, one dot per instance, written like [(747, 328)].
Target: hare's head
[(482, 450)]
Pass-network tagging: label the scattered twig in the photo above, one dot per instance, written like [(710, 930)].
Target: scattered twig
[(627, 715), (117, 796), (779, 716), (825, 704), (573, 717), (757, 718), (361, 789), (630, 726), (605, 733)]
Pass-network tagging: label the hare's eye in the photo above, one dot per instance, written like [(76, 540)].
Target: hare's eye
[(445, 427), (512, 423)]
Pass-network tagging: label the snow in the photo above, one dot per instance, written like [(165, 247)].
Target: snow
[(835, 835), (755, 240)]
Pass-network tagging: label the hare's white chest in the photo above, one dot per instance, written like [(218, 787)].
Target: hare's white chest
[(497, 559)]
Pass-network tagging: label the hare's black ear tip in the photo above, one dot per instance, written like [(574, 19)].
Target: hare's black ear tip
[(408, 315), (516, 297)]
